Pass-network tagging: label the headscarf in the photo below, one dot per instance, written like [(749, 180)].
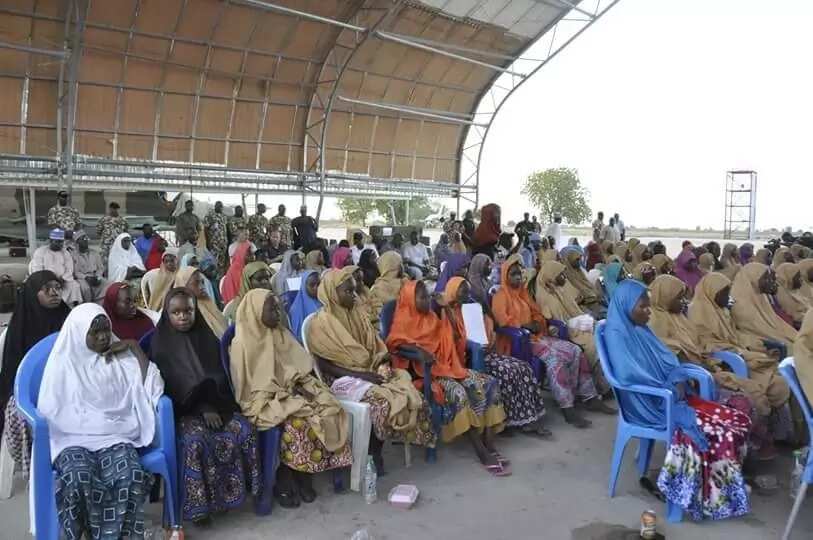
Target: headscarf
[(730, 261), (488, 231), (232, 279), (190, 362), (513, 307), (658, 261), (279, 283), (302, 306), (454, 263), (121, 259), (249, 270), (478, 283), (689, 277), (805, 265), (752, 311), (346, 338), (368, 267), (212, 316), (267, 365), (611, 273), (706, 262), (763, 256), (312, 261), (779, 257), (161, 283), (426, 330), (798, 251), (185, 260), (746, 253), (715, 327), (639, 357), (792, 301), (555, 302), (388, 285), (578, 278), (640, 269), (633, 243), (340, 257), (122, 328), (803, 355), (594, 255), (29, 323), (90, 401), (675, 330)]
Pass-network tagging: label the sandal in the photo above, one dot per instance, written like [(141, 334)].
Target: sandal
[(540, 432), (503, 461), (652, 489), (497, 470)]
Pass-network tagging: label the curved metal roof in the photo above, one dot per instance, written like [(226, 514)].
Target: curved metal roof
[(327, 95)]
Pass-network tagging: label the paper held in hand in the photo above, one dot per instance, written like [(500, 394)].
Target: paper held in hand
[(294, 283), (473, 321)]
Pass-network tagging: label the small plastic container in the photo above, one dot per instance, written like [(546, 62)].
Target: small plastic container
[(403, 496)]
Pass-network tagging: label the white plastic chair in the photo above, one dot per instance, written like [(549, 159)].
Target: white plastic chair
[(361, 423), (146, 283), (220, 285), (275, 266), (6, 461)]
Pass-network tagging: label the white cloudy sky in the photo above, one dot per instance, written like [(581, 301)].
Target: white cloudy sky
[(656, 101)]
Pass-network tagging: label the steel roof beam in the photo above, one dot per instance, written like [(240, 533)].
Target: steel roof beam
[(34, 50), (268, 6), (402, 109)]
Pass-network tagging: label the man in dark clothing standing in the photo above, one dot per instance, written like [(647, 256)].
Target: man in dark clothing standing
[(468, 228), (304, 229)]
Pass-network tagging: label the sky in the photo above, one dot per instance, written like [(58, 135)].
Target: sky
[(654, 103)]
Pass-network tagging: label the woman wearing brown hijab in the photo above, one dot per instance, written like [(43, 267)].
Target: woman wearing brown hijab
[(803, 355), (663, 264), (789, 294), (753, 314)]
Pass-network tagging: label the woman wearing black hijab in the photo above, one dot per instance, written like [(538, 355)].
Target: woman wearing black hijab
[(39, 312), (367, 263), (219, 450)]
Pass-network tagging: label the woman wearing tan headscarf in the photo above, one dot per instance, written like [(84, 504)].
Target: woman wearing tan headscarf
[(803, 355), (763, 256), (706, 262), (789, 295), (274, 385), (781, 256), (355, 361), (753, 313), (388, 284), (163, 280), (799, 252), (645, 273), (588, 298), (364, 300), (192, 278), (624, 255), (806, 271), (607, 249), (730, 261), (314, 260), (663, 264), (556, 301)]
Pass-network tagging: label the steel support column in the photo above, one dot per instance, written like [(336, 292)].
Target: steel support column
[(80, 8)]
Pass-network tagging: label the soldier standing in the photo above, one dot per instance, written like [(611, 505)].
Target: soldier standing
[(108, 228), (216, 225)]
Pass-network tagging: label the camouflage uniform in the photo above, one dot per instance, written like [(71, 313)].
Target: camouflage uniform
[(283, 223), (235, 225), (185, 224), (107, 229), (258, 229), (216, 224), (67, 219)]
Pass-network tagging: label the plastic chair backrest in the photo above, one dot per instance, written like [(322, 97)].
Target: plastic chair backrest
[(29, 374), (288, 298), (225, 357), (788, 370), (220, 285), (146, 342), (607, 367), (146, 282), (386, 318), (305, 324)]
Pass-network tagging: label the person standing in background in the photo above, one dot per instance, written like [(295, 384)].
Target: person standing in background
[(258, 227), (598, 227), (537, 227), (216, 225), (304, 230), (283, 225), (144, 243), (554, 231), (468, 228), (275, 249), (64, 217), (109, 227), (447, 225), (524, 227), (187, 224), (609, 233), (236, 223), (620, 227)]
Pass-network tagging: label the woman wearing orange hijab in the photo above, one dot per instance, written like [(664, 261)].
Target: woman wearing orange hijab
[(567, 368), (521, 393), (471, 401)]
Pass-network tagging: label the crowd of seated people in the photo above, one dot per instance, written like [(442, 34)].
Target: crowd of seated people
[(417, 371)]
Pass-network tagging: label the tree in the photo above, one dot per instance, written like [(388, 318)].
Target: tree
[(419, 209), (558, 191), (356, 211)]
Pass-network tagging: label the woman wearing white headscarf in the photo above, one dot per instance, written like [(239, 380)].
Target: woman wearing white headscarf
[(292, 267), (98, 395)]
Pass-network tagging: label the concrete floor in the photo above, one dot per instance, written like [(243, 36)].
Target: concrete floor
[(558, 491)]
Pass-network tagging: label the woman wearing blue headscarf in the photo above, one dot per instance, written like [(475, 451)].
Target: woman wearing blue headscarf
[(304, 303), (457, 264), (702, 471), (190, 259), (612, 274)]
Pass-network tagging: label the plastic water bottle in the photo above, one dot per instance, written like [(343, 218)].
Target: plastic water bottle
[(370, 487), (796, 473), (361, 534)]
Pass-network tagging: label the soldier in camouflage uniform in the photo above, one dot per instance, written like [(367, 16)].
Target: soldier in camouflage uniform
[(216, 224), (258, 227), (107, 229), (64, 217), (281, 223), (237, 223)]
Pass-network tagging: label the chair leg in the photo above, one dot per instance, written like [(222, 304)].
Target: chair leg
[(431, 455), (621, 439), (644, 455), (407, 455), (6, 471), (338, 480), (269, 451), (674, 513), (799, 498), (360, 429)]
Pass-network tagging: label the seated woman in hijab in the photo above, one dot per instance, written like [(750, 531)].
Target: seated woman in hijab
[(368, 263), (256, 275), (730, 261), (218, 446), (471, 401), (487, 234), (706, 263), (305, 302), (191, 260), (160, 280), (441, 250), (125, 264), (780, 256), (789, 293), (555, 299), (292, 267), (676, 331), (663, 264), (587, 296), (593, 255), (388, 285), (96, 424), (753, 313), (192, 279), (710, 438), (567, 368), (315, 260), (746, 254), (521, 392), (645, 273), (456, 265), (687, 269), (806, 271), (364, 299), (275, 386), (611, 275), (479, 280), (355, 362), (763, 256), (39, 312), (127, 320), (233, 278), (343, 256)]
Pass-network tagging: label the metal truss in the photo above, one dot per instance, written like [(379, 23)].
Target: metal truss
[(561, 33)]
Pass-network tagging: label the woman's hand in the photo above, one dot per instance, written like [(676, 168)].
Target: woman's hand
[(212, 420), (371, 377), (533, 327)]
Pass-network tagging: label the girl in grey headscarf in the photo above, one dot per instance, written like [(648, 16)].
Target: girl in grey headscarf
[(292, 267)]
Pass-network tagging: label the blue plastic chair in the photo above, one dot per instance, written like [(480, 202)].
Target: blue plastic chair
[(734, 361), (646, 436), (158, 459), (288, 298), (788, 370)]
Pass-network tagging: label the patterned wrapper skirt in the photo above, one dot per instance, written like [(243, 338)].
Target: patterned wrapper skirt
[(472, 402), (220, 468), (520, 391), (568, 372), (102, 493), (18, 436), (302, 451), (709, 484)]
